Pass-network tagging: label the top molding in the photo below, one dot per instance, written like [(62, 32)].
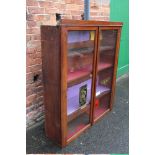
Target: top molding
[(70, 22)]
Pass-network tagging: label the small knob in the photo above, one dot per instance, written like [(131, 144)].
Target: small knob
[(90, 75)]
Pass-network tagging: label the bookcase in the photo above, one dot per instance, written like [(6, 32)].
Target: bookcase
[(79, 60)]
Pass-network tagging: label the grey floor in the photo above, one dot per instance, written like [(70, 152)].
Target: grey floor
[(109, 135)]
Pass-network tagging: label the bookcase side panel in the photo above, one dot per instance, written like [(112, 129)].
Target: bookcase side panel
[(50, 40)]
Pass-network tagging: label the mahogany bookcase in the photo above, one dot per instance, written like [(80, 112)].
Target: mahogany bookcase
[(79, 61)]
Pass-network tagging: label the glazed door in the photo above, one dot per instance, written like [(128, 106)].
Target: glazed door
[(80, 57), (105, 70)]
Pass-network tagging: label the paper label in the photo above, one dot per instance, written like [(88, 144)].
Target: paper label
[(83, 95)]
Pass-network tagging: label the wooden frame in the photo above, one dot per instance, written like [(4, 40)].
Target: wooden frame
[(115, 67), (54, 59), (64, 31)]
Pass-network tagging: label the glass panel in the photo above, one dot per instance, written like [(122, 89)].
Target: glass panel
[(101, 105), (79, 79), (107, 48), (105, 71)]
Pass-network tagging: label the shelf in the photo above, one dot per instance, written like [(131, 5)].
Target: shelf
[(78, 76), (105, 65), (101, 91), (80, 51), (100, 112), (106, 48), (89, 43), (77, 112), (78, 124), (72, 133), (73, 105)]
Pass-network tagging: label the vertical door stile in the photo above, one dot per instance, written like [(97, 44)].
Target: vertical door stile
[(94, 75), (63, 86), (115, 68)]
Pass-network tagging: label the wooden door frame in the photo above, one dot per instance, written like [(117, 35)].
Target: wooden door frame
[(64, 31), (100, 28)]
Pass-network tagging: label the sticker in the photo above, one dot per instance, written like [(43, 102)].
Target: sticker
[(83, 95), (92, 35), (96, 103)]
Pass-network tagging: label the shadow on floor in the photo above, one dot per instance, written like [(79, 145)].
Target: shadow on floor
[(109, 135)]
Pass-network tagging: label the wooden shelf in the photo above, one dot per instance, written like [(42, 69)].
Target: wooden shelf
[(79, 51), (77, 77), (106, 48), (89, 43), (102, 66), (100, 113), (101, 91), (78, 112), (75, 127)]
